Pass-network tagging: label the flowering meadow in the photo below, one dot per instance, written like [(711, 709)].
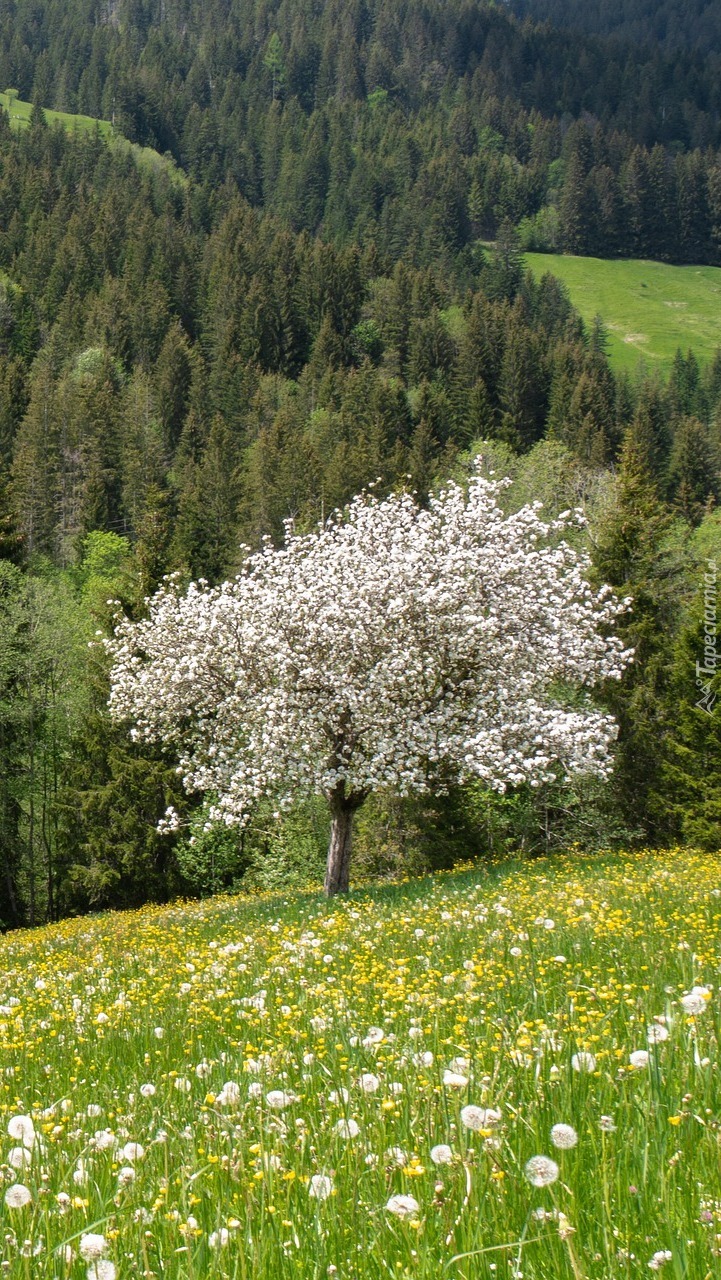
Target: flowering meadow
[(484, 1074)]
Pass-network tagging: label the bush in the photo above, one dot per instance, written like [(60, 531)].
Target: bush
[(212, 857), (541, 233)]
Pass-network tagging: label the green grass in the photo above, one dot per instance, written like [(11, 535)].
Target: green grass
[(177, 1027), (20, 112), (650, 309), (146, 158)]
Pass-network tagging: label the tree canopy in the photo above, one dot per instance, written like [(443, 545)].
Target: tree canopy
[(399, 648)]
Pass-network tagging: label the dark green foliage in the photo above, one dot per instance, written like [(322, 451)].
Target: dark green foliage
[(211, 857), (689, 800), (631, 553), (108, 811), (695, 24)]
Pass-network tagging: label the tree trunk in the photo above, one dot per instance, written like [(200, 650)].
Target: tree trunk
[(337, 874)]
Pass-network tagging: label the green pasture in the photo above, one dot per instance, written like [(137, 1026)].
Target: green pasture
[(20, 113), (146, 158), (650, 309)]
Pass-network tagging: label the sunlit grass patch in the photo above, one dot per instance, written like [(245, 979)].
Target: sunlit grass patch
[(20, 114), (481, 1074), (650, 309)]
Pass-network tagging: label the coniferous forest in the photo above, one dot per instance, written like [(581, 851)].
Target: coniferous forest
[(317, 284)]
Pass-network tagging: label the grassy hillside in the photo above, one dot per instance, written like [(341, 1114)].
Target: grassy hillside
[(20, 113), (650, 308), (295, 1088)]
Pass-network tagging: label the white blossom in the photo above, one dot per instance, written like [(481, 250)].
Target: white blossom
[(132, 1151), (454, 1080), (387, 647), (103, 1269), (229, 1095), (656, 1033), (22, 1129), (19, 1157), (347, 1128), (278, 1099), (219, 1239), (368, 1082), (660, 1259), (478, 1118)]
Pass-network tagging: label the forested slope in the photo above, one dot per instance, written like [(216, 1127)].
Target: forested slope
[(186, 365), (390, 122), (672, 24)]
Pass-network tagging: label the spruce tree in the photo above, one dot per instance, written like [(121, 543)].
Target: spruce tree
[(629, 553)]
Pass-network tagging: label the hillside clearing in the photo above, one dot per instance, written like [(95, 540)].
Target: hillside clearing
[(649, 308), (20, 113), (285, 1087)]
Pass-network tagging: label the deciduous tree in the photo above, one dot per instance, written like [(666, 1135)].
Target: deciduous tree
[(398, 649)]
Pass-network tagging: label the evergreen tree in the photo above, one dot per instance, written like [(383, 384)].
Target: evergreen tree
[(688, 801), (576, 205), (694, 470), (630, 553)]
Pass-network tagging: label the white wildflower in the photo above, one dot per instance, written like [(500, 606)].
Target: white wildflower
[(219, 1239), (656, 1033), (278, 1099), (92, 1246), (660, 1259), (22, 1129), (454, 1080), (368, 1082), (695, 1002)]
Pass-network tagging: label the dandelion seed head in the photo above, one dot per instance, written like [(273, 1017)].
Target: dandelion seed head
[(320, 1186), (477, 1118), (18, 1196), (92, 1246), (656, 1033), (541, 1171), (564, 1136), (347, 1128), (403, 1206)]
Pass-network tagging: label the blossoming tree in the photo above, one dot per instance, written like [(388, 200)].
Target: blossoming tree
[(395, 647)]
